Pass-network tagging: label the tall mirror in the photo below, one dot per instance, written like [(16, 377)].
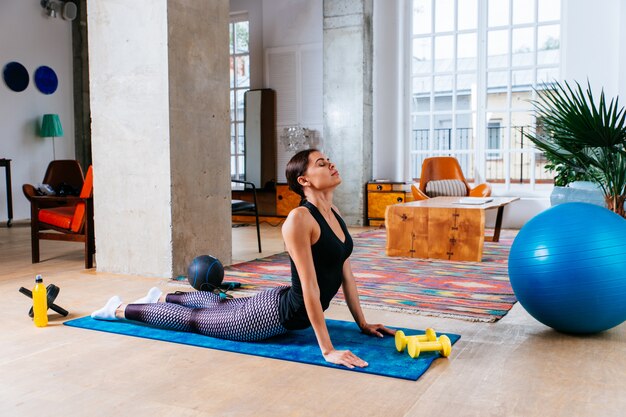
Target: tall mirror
[(260, 136)]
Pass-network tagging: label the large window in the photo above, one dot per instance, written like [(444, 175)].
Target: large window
[(239, 84), (475, 64)]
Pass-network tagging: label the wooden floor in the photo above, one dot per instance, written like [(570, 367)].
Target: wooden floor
[(516, 367)]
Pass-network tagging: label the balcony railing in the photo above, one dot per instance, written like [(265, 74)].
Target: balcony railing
[(522, 158)]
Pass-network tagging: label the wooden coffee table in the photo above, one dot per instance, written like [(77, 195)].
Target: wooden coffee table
[(441, 228)]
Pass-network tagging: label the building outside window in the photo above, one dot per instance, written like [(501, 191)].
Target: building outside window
[(475, 66), (494, 136), (239, 84)]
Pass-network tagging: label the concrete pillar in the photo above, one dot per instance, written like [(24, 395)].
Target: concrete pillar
[(348, 133), (199, 129), (160, 133)]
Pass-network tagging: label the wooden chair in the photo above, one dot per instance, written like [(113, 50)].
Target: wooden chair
[(72, 221), (446, 168), (62, 171), (239, 206)]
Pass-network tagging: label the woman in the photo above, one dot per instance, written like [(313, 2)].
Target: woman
[(319, 245)]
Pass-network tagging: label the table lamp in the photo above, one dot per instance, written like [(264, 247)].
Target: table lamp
[(51, 127)]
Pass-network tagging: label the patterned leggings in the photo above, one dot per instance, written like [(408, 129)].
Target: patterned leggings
[(242, 319)]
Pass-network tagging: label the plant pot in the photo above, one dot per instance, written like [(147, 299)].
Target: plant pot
[(579, 191), (616, 204)]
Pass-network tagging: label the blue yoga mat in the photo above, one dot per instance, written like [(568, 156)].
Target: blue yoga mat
[(297, 346)]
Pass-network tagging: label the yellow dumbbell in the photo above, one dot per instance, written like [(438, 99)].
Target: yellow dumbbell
[(402, 340), (441, 345)]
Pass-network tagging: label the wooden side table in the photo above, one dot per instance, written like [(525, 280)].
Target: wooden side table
[(6, 163), (441, 228)]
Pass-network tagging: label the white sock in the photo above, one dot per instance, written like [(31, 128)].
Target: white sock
[(152, 297), (108, 311)]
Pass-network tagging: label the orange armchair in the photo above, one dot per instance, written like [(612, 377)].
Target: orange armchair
[(70, 220), (446, 168)]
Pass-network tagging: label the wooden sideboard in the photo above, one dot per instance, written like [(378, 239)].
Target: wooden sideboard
[(382, 194), (286, 200), (274, 203), (379, 195)]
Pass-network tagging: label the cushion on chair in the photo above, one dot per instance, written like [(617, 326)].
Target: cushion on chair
[(58, 216), (446, 188)]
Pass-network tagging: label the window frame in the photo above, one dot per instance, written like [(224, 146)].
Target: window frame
[(479, 151), (237, 125)]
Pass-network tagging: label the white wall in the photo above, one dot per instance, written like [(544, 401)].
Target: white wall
[(622, 53), (593, 44), (276, 23), (33, 39), (292, 22)]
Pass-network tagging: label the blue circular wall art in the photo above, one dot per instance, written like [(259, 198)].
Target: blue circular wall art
[(15, 76), (46, 80)]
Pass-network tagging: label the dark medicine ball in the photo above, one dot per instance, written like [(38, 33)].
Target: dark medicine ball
[(205, 273)]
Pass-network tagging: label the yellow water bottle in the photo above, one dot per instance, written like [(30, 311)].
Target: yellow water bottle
[(40, 303)]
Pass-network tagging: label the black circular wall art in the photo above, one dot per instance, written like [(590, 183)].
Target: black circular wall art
[(15, 76), (46, 80)]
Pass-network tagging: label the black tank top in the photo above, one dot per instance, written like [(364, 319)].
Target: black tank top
[(329, 255)]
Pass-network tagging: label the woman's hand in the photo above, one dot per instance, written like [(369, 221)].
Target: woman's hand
[(376, 330), (345, 358)]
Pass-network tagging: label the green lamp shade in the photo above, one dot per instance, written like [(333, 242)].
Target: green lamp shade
[(51, 126)]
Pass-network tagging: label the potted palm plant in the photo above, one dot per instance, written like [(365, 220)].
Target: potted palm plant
[(584, 136)]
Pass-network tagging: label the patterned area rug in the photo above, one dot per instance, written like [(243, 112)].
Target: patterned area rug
[(476, 291)]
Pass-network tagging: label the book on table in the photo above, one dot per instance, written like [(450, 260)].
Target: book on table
[(474, 200)]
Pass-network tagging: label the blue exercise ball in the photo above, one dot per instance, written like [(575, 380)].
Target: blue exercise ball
[(567, 267), (205, 273)]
